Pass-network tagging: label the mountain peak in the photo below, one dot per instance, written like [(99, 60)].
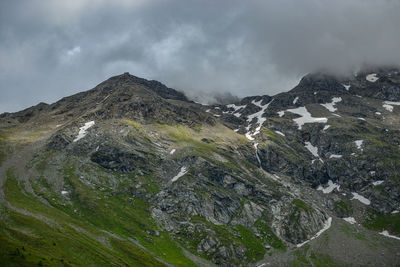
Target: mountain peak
[(320, 81), (127, 79)]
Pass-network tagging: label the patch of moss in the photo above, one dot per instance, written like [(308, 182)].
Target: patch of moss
[(137, 126), (236, 236), (343, 208), (268, 237), (301, 205), (256, 250), (379, 221)]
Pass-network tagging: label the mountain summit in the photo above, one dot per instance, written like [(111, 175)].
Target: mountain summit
[(133, 173)]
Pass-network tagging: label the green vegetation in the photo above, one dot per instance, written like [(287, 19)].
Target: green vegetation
[(268, 236), (301, 256), (77, 229), (236, 236), (137, 126), (184, 137), (351, 232), (256, 250), (379, 221), (343, 207), (2, 148), (36, 234), (321, 260), (301, 205), (305, 257), (285, 147)]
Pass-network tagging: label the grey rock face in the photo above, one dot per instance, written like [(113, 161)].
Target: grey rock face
[(211, 188)]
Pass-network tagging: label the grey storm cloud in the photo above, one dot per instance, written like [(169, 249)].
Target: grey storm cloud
[(50, 49)]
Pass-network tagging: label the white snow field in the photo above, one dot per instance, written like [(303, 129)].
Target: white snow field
[(83, 130), (305, 117), (181, 173), (330, 106)]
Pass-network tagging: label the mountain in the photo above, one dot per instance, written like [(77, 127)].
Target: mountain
[(132, 173)]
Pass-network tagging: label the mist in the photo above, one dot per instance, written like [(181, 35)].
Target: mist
[(51, 49)]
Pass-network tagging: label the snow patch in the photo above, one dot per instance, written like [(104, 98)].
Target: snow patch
[(305, 117), (360, 198), (295, 100), (258, 103), (172, 151), (312, 149), (331, 186), (371, 77), (235, 109), (330, 106), (347, 87), (278, 132), (378, 182), (83, 130), (388, 105), (359, 143), (386, 233), (327, 225), (326, 127), (182, 172), (350, 220), (64, 192), (392, 103), (248, 134), (281, 113), (395, 212), (333, 156), (260, 119)]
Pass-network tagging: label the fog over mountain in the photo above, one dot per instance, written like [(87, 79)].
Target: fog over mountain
[(50, 49)]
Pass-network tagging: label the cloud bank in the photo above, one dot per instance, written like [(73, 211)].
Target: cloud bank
[(50, 49)]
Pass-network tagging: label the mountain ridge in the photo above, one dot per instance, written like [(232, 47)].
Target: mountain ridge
[(138, 168)]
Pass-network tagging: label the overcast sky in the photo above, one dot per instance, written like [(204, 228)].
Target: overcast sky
[(50, 48)]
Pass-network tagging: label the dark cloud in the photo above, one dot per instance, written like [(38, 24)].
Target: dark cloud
[(50, 49)]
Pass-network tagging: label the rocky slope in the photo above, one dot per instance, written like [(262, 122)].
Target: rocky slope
[(136, 174)]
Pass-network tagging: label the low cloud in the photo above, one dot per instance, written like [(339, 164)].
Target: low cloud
[(50, 49)]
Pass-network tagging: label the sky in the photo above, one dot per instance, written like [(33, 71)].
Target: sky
[(50, 49)]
